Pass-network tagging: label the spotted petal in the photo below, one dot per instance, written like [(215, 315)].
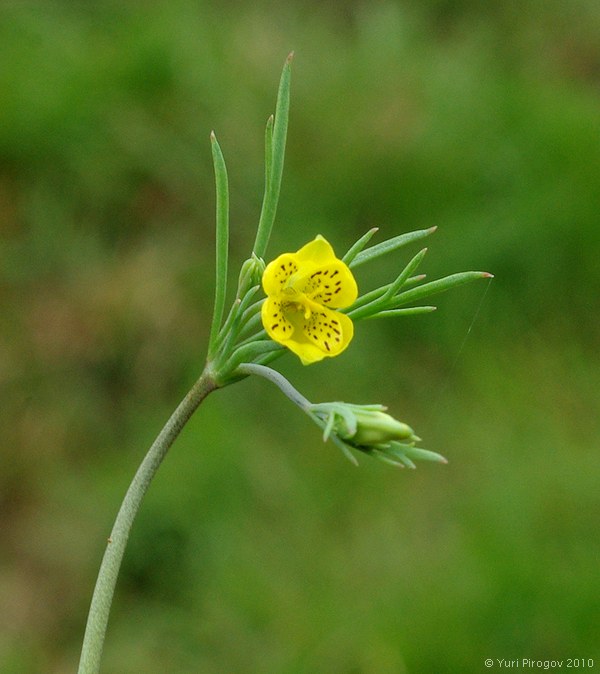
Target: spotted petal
[(302, 288), (278, 273), (331, 284), (276, 323), (325, 333)]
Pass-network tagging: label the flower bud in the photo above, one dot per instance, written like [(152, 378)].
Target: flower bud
[(369, 429), (363, 426), (250, 274), (374, 427)]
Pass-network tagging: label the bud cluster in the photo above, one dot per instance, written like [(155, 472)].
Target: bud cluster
[(369, 429)]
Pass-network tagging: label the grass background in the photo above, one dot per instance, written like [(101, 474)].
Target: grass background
[(259, 549)]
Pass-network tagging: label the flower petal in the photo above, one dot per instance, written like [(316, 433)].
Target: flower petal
[(330, 331), (307, 352), (302, 288), (278, 272), (318, 251), (278, 327), (332, 285)]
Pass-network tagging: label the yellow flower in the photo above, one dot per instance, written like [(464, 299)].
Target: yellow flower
[(303, 289)]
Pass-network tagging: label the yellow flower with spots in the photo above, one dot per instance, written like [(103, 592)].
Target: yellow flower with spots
[(303, 290)]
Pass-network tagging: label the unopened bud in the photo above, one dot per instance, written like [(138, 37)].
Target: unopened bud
[(250, 274), (376, 428)]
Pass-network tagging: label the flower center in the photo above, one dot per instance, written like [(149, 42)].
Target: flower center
[(295, 307)]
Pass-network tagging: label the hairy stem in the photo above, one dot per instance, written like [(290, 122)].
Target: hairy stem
[(95, 630)]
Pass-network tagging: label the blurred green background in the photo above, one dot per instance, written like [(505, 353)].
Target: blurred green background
[(259, 549)]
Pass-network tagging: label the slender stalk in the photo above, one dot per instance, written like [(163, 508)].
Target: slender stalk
[(95, 631), (279, 380)]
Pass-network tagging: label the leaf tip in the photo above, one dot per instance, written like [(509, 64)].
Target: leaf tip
[(289, 58), (486, 274), (431, 230)]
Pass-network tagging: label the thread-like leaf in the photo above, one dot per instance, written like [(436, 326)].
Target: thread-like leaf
[(274, 172), (438, 286), (359, 245), (390, 245), (408, 311), (222, 239), (268, 152)]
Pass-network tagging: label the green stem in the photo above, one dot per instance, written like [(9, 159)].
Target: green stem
[(95, 631), (279, 380)]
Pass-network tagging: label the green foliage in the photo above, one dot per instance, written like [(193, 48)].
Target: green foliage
[(480, 118)]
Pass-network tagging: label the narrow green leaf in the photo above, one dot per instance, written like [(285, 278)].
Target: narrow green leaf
[(390, 245), (408, 311), (381, 456), (268, 152), (250, 352), (425, 455), (405, 274), (438, 286), (369, 297), (359, 245), (328, 426), (270, 357), (222, 239), (345, 448), (277, 140), (385, 300)]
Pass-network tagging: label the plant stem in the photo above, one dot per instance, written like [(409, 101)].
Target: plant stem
[(95, 631), (279, 380)]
